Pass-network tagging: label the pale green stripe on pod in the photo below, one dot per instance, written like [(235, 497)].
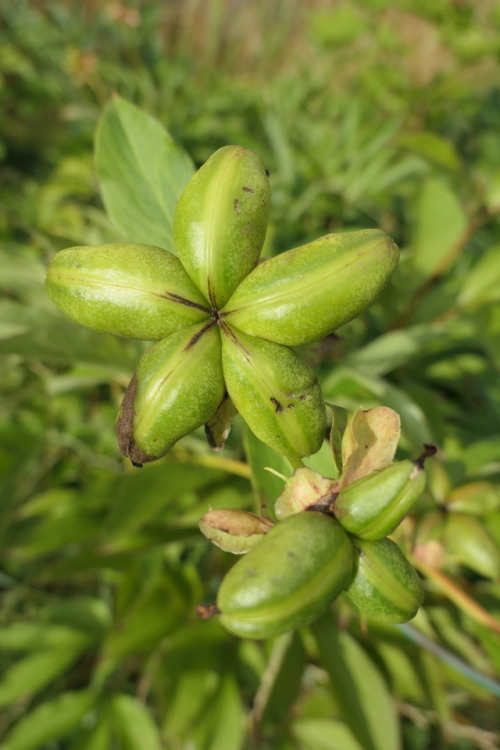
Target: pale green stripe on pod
[(385, 586), (306, 293), (177, 386), (288, 579), (220, 221), (373, 506), (132, 290), (276, 393)]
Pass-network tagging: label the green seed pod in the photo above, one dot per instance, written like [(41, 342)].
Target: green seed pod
[(136, 291), (236, 531), (306, 293), (385, 586), (288, 579), (373, 506), (176, 388), (276, 393), (220, 221)]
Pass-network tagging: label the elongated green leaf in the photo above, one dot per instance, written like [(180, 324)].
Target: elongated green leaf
[(440, 223), (324, 734), (52, 720), (158, 609), (281, 680), (339, 424), (266, 485), (414, 423), (482, 284), (99, 736), (358, 687), (160, 486), (432, 147), (141, 173), (134, 725), (29, 675), (222, 726), (47, 335), (32, 636), (391, 350)]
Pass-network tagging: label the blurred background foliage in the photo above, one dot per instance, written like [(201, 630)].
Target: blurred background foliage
[(367, 113)]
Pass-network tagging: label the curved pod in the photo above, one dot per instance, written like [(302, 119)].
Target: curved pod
[(288, 579), (132, 290), (306, 293), (220, 221), (276, 393), (373, 506), (177, 386), (385, 586)]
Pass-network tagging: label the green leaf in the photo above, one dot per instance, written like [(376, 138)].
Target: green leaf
[(158, 487), (481, 284), (280, 683), (440, 224), (29, 675), (134, 725), (323, 734), (339, 424), (141, 173), (403, 669), (432, 147), (158, 609), (32, 636), (221, 726), (99, 736), (266, 485), (51, 721), (358, 687), (49, 336), (414, 423), (391, 350)]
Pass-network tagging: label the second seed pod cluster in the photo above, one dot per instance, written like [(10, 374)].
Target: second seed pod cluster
[(331, 538)]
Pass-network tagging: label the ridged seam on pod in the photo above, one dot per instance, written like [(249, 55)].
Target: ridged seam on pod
[(304, 294), (177, 386), (288, 579), (385, 586), (373, 506), (132, 290), (276, 393), (220, 221)]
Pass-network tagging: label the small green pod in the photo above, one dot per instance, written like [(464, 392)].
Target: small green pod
[(306, 293), (131, 290), (373, 506), (220, 221), (288, 579), (276, 393), (385, 586), (177, 386)]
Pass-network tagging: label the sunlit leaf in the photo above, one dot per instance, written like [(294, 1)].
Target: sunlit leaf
[(50, 721), (141, 173)]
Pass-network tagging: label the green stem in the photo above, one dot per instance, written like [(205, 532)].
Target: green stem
[(450, 659), (297, 463)]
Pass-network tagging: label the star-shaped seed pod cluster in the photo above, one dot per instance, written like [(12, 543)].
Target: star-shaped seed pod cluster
[(223, 323)]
